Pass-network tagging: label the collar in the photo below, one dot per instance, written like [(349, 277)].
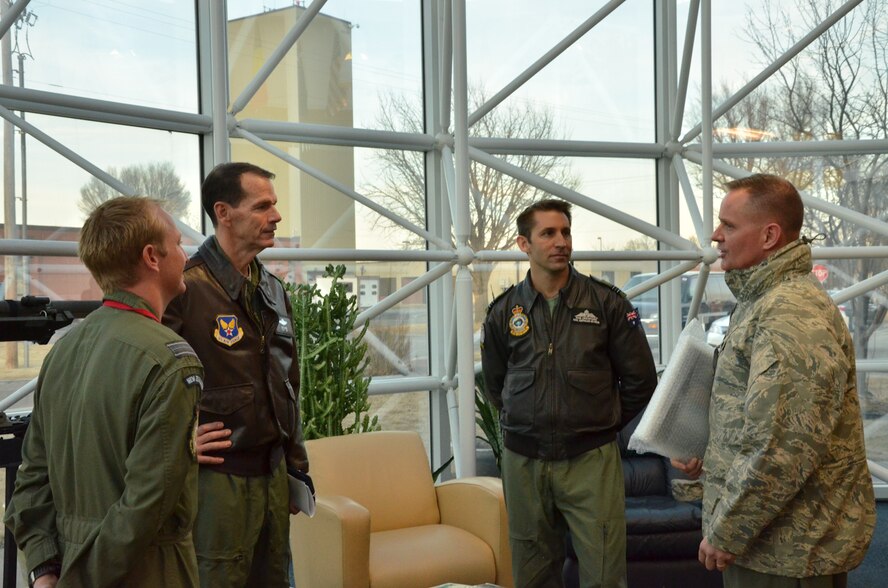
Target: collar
[(222, 269), (793, 259), (528, 295), (129, 299)]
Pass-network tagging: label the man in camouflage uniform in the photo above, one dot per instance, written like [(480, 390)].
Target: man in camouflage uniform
[(788, 499)]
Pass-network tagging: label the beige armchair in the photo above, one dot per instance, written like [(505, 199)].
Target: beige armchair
[(382, 522)]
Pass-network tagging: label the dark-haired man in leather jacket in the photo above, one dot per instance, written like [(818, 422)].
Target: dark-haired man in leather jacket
[(567, 363)]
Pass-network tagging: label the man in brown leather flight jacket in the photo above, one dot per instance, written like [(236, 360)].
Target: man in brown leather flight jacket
[(237, 316)]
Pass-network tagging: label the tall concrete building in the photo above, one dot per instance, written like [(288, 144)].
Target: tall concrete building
[(313, 84)]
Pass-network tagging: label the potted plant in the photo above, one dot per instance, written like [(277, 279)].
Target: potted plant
[(332, 358)]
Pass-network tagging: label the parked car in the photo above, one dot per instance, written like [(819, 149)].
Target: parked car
[(717, 331), (718, 300), (719, 327)]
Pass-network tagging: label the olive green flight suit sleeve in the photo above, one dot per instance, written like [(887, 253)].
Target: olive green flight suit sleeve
[(31, 514), (156, 470)]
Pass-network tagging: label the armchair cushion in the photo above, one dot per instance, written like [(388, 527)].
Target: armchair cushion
[(426, 556)]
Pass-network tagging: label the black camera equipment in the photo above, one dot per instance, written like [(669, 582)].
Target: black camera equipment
[(35, 318)]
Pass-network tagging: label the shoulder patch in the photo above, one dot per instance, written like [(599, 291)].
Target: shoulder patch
[(495, 300), (633, 318), (181, 349), (193, 380), (608, 285)]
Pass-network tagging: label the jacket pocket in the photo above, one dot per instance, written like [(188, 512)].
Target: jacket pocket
[(518, 400), (292, 408), (589, 405), (226, 399)]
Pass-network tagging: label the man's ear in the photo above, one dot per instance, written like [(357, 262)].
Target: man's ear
[(523, 243), (221, 209), (772, 235), (151, 257)]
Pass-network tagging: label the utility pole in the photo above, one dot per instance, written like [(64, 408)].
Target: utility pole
[(23, 50), (9, 224)]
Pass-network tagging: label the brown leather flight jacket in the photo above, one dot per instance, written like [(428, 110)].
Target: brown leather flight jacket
[(251, 380)]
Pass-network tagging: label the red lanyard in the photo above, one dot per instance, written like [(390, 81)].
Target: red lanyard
[(122, 306)]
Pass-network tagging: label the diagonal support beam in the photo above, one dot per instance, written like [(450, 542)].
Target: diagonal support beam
[(780, 62), (604, 210), (277, 56), (841, 212), (543, 61), (337, 185)]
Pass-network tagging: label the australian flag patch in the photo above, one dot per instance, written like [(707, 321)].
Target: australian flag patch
[(227, 330)]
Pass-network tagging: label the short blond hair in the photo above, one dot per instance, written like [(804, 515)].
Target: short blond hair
[(114, 235)]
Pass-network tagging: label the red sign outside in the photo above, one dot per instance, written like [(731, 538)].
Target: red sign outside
[(820, 272)]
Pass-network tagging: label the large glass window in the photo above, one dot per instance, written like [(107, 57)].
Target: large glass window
[(134, 52), (599, 88), (360, 66)]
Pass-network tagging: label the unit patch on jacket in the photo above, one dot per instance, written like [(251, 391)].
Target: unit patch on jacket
[(519, 324), (283, 327), (586, 317), (633, 318), (227, 330)]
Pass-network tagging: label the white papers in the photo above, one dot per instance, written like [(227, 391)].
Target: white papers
[(676, 422), (301, 495)]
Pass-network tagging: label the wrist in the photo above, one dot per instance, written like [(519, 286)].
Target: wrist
[(49, 567)]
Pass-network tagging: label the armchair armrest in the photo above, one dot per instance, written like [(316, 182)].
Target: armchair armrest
[(476, 505), (333, 548)]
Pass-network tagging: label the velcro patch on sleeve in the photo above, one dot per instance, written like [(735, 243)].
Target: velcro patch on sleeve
[(181, 349), (633, 318)]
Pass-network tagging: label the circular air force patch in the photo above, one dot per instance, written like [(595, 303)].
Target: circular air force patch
[(519, 324)]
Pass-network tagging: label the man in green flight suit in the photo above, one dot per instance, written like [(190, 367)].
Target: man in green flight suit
[(107, 491)]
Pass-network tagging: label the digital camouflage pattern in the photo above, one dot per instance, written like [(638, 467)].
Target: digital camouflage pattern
[(787, 489)]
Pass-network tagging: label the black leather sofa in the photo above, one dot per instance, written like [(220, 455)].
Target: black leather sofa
[(663, 534)]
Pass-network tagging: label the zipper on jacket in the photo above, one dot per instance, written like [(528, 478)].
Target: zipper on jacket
[(551, 350)]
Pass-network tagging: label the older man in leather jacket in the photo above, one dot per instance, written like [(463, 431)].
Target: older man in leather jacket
[(237, 317), (567, 363)]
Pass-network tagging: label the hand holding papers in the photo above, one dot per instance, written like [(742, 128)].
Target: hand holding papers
[(676, 422), (302, 492)]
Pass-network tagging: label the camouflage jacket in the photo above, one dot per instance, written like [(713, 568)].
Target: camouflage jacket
[(787, 489)]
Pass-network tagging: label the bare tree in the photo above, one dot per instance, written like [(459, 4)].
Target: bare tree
[(495, 198), (157, 180), (837, 89)]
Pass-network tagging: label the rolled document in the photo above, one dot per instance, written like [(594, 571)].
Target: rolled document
[(676, 422)]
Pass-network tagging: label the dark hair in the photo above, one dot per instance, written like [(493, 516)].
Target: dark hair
[(525, 220), (774, 198), (114, 235), (223, 184)]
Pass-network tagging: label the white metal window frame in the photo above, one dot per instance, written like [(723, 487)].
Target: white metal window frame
[(449, 150)]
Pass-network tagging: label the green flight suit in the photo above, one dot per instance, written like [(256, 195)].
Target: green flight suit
[(108, 481)]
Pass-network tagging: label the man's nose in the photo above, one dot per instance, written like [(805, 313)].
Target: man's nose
[(275, 215)]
